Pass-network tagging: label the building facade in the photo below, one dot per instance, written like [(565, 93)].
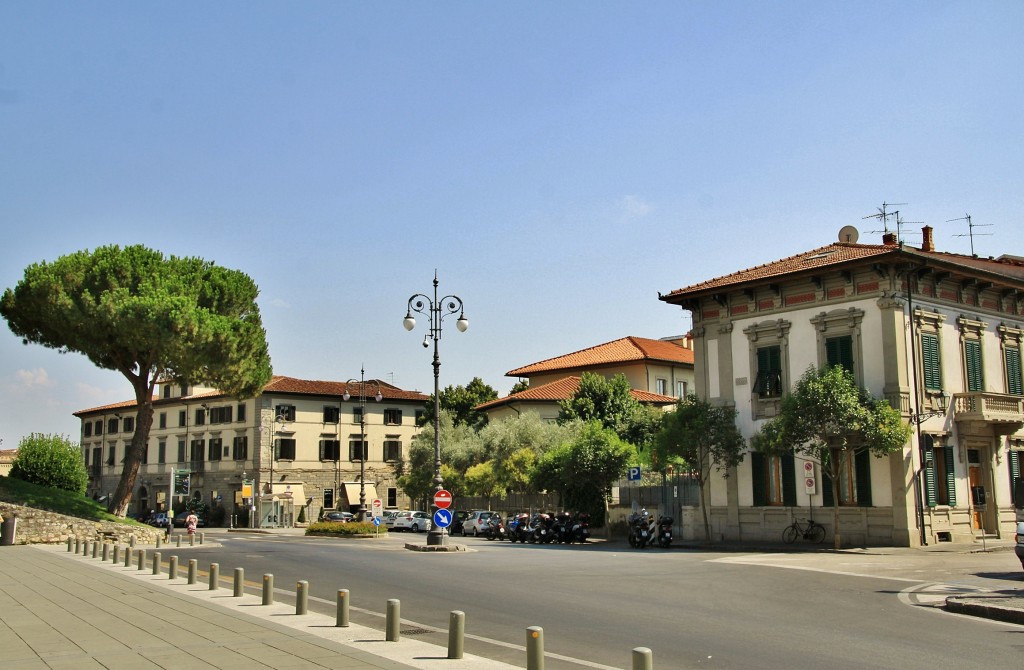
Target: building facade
[(301, 446), (938, 335)]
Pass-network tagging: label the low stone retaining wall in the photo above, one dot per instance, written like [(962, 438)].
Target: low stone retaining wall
[(36, 526)]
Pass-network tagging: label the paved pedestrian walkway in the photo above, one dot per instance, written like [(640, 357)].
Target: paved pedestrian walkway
[(66, 610)]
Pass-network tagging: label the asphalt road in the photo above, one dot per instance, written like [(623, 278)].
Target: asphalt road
[(693, 609)]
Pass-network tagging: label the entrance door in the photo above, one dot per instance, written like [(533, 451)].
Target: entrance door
[(977, 478)]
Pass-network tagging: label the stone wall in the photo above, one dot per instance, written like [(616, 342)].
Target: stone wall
[(36, 526)]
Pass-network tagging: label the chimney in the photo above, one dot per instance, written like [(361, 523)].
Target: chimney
[(889, 239), (927, 244)]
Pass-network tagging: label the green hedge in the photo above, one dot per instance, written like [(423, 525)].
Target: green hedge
[(344, 529)]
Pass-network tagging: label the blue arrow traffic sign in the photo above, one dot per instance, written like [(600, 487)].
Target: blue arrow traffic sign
[(376, 521), (443, 518)]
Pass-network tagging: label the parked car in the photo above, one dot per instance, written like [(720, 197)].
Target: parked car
[(158, 519), (340, 517), (476, 522), (1019, 547), (389, 517), (458, 519), (415, 521)]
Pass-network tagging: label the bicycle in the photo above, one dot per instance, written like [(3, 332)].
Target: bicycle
[(812, 532)]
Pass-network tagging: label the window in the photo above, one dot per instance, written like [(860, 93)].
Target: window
[(420, 414), (769, 365), (353, 449), (161, 452), (328, 498), (240, 447), (181, 451), (145, 455), (393, 417), (661, 386), (854, 478), (167, 390), (681, 389), (182, 419), (939, 477), (215, 449), (163, 420), (98, 427), (392, 496), (392, 449), (331, 414), (97, 455), (221, 414), (330, 450), (111, 454), (773, 478), (769, 372), (195, 454), (971, 332), (1013, 371), (839, 340), (240, 412), (286, 412), (931, 364), (184, 389), (129, 424), (1016, 478), (87, 429), (284, 449), (200, 417), (112, 426), (357, 415)]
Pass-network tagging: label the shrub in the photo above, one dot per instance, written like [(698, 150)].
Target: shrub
[(344, 529), (51, 460)]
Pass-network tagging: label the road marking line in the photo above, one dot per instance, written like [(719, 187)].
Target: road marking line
[(767, 564)]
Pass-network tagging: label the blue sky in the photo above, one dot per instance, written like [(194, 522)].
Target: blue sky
[(558, 164)]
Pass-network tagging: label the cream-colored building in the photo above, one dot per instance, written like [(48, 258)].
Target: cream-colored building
[(658, 371), (298, 443), (938, 335), (7, 457)]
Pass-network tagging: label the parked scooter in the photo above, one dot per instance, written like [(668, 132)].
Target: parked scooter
[(641, 533), (541, 529), (581, 527), (664, 534), (495, 529), (519, 528)]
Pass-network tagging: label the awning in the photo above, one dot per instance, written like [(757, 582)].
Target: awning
[(285, 491), (352, 492)]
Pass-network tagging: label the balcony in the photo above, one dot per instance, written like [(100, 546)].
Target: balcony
[(1001, 413)]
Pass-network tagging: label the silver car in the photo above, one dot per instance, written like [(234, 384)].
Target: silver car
[(476, 522), (414, 521)]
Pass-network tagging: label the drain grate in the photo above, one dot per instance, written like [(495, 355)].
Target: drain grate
[(415, 631)]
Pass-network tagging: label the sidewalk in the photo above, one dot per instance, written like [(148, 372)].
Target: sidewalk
[(65, 610)]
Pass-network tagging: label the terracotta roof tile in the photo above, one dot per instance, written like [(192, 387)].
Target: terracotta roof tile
[(563, 389), (618, 351)]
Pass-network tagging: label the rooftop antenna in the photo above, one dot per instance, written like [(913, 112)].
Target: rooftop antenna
[(970, 229), (883, 215), (900, 223)]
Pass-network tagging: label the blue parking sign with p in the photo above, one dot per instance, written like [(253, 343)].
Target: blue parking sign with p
[(634, 473)]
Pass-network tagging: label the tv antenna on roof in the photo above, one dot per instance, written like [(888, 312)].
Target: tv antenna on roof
[(970, 229), (883, 215), (900, 223)]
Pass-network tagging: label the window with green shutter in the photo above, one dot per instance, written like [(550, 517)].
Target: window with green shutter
[(839, 351), (930, 362), (1013, 371), (972, 358), (769, 372)]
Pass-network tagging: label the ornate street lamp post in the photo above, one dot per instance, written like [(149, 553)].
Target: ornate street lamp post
[(378, 396), (271, 427), (436, 311)]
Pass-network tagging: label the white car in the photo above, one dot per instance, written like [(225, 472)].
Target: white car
[(414, 521), (476, 522)]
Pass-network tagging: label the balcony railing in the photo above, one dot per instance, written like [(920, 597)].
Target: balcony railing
[(1006, 411)]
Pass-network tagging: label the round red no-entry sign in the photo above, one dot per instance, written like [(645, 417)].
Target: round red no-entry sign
[(443, 499)]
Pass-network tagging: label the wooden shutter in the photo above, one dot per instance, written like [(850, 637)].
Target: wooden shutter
[(972, 356), (839, 351), (930, 362), (788, 480), (862, 464), (827, 499), (1013, 378), (929, 476), (323, 452), (758, 475), (947, 454)]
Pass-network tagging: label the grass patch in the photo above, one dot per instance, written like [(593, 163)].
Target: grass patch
[(341, 529), (20, 492)]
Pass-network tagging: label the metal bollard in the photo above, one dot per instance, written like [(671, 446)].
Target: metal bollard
[(69, 544), (392, 626), (268, 589), (302, 597), (156, 562), (342, 620), (534, 648), (127, 557), (643, 659), (131, 540), (172, 568), (95, 549), (117, 554), (106, 551), (214, 576), (179, 539), (193, 568), (239, 582), (456, 633)]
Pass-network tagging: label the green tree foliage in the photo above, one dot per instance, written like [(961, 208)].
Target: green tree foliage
[(699, 438), (480, 480), (514, 444), (460, 448), (50, 460), (825, 418), (609, 401), (642, 426), (520, 385), (150, 318), (583, 471), (459, 401)]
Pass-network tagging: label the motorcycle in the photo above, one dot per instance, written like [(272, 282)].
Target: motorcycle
[(540, 529), (519, 528), (495, 529), (664, 533), (581, 527), (640, 532), (562, 528)]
